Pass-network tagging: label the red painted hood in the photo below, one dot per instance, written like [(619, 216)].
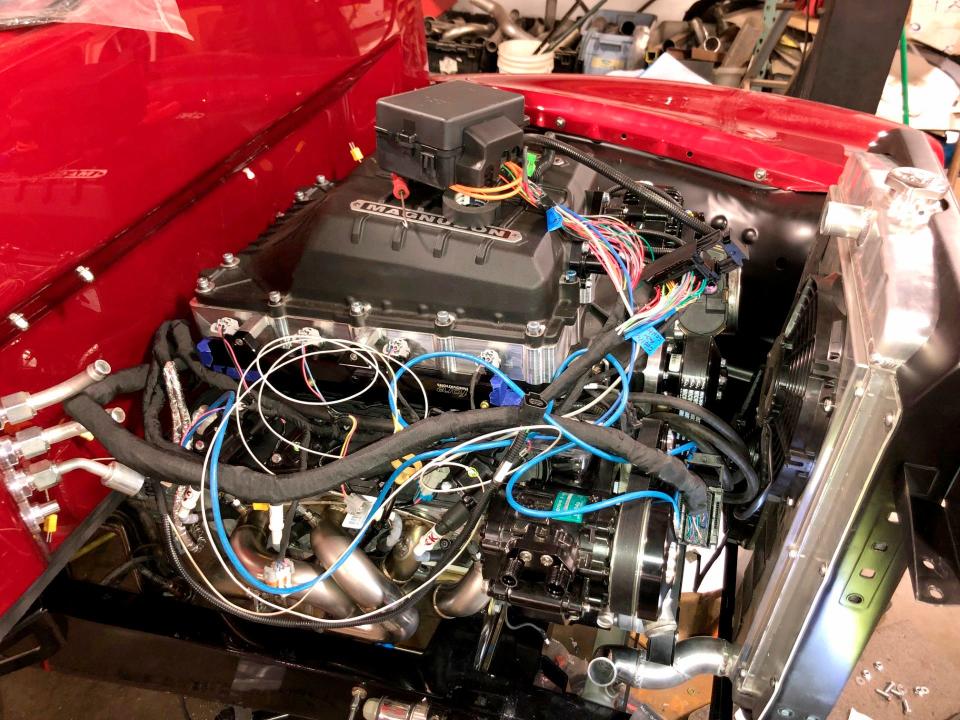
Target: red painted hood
[(782, 142)]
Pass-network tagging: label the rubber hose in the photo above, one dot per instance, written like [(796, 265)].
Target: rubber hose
[(737, 455), (612, 173), (692, 408)]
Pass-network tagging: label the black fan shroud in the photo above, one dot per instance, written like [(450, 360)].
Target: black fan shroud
[(800, 381)]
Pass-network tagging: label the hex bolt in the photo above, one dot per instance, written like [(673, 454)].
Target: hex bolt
[(444, 318), (760, 174), (274, 297), (230, 260), (358, 309), (204, 284), (535, 328), (561, 122), (525, 556), (546, 560)]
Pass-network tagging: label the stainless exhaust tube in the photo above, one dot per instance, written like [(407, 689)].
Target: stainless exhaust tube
[(248, 542), (467, 29), (693, 656), (361, 580), (510, 27), (466, 597)]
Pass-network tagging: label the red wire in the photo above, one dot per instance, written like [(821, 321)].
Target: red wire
[(236, 363), (306, 377)]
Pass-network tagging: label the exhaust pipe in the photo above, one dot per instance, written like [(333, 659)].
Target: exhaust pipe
[(693, 656), (361, 580), (248, 542), (466, 597)]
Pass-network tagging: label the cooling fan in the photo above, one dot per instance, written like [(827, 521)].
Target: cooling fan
[(799, 383)]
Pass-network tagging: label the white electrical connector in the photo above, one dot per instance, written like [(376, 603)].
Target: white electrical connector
[(225, 326), (426, 542), (276, 524), (310, 336), (190, 499)]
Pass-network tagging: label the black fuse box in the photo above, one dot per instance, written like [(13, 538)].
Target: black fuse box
[(450, 133)]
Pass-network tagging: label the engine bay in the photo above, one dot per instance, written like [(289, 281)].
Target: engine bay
[(497, 384)]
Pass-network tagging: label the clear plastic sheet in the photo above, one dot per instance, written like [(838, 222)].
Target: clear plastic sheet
[(154, 15)]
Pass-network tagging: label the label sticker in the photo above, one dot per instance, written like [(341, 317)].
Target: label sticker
[(357, 511), (650, 340), (569, 501), (554, 219)]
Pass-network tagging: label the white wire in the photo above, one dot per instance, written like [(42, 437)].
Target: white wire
[(597, 399), (289, 610), (362, 350)]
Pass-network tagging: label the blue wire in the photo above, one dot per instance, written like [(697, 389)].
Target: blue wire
[(590, 507), (193, 430), (549, 419), (392, 390), (225, 541), (682, 449), (570, 358)]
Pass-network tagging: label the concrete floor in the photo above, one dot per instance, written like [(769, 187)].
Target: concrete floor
[(918, 645)]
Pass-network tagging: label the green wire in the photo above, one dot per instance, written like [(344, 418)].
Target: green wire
[(904, 81)]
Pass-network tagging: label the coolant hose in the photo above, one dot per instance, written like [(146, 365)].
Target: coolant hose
[(647, 193), (691, 408), (738, 455)]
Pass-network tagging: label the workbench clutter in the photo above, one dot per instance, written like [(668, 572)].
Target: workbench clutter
[(753, 45)]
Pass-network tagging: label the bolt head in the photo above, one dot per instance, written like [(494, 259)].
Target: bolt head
[(230, 260), (760, 174), (546, 560), (536, 328), (204, 284), (560, 122), (444, 318), (274, 297), (358, 309), (85, 273), (525, 556)]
